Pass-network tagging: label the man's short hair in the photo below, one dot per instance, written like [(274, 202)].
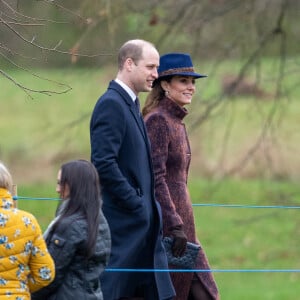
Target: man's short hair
[(132, 49)]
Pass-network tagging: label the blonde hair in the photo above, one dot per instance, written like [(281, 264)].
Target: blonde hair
[(6, 181)]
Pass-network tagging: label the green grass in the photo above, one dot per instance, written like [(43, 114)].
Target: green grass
[(233, 238), (49, 130), (250, 238), (40, 134), (43, 210)]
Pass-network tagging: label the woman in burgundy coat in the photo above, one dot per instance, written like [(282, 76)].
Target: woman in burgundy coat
[(171, 154)]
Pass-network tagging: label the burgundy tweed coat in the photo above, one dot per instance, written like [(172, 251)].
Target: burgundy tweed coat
[(171, 156)]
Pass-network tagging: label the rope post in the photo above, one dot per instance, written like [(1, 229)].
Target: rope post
[(15, 193)]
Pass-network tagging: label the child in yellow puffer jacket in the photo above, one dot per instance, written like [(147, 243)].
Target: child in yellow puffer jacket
[(25, 264)]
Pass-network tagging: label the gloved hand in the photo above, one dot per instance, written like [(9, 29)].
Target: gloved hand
[(179, 242)]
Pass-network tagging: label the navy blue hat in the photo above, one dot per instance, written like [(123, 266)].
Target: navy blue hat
[(176, 64)]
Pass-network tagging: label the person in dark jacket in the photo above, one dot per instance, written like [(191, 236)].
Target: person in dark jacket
[(78, 238), (121, 154), (164, 111)]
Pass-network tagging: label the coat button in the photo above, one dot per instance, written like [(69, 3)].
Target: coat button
[(56, 242)]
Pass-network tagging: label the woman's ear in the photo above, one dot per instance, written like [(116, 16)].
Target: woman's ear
[(164, 85), (66, 191)]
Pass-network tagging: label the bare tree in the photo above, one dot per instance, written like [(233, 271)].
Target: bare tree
[(22, 41), (213, 31), (246, 31)]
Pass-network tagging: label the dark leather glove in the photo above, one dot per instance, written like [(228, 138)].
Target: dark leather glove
[(179, 242)]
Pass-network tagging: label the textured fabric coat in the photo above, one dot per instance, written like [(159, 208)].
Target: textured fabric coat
[(121, 154), (171, 155), (76, 277), (25, 264)]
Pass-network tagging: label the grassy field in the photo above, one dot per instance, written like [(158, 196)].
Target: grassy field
[(235, 239), (41, 133)]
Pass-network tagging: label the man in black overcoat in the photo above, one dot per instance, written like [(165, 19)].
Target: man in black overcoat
[(121, 153)]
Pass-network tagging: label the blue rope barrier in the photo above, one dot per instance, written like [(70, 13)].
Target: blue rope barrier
[(196, 204), (207, 271), (247, 206), (32, 198), (199, 270)]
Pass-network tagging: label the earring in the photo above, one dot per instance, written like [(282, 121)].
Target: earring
[(166, 93)]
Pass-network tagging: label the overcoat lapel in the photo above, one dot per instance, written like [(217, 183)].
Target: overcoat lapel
[(137, 116)]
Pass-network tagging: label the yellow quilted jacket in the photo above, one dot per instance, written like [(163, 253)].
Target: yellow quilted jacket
[(25, 264)]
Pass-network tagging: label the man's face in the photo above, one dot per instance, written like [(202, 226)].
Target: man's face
[(144, 72)]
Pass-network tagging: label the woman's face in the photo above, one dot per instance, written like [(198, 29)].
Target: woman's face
[(180, 89), (63, 191)]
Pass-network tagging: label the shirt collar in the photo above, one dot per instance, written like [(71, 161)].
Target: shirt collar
[(126, 88)]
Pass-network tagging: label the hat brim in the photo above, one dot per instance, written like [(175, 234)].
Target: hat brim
[(192, 74)]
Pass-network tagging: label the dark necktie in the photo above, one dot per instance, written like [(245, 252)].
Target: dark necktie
[(140, 118), (137, 104)]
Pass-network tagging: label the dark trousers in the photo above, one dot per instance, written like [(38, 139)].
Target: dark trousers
[(146, 290)]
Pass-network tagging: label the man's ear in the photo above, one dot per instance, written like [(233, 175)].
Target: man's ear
[(129, 63)]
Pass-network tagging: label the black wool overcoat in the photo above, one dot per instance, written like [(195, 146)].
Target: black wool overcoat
[(121, 154)]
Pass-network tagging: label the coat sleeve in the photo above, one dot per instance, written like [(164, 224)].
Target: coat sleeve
[(62, 246), (159, 135), (41, 265), (107, 134)]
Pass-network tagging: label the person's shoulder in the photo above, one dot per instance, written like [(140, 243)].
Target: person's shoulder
[(156, 116), (157, 123), (24, 214), (70, 229), (74, 222), (77, 230), (111, 96), (25, 218)]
